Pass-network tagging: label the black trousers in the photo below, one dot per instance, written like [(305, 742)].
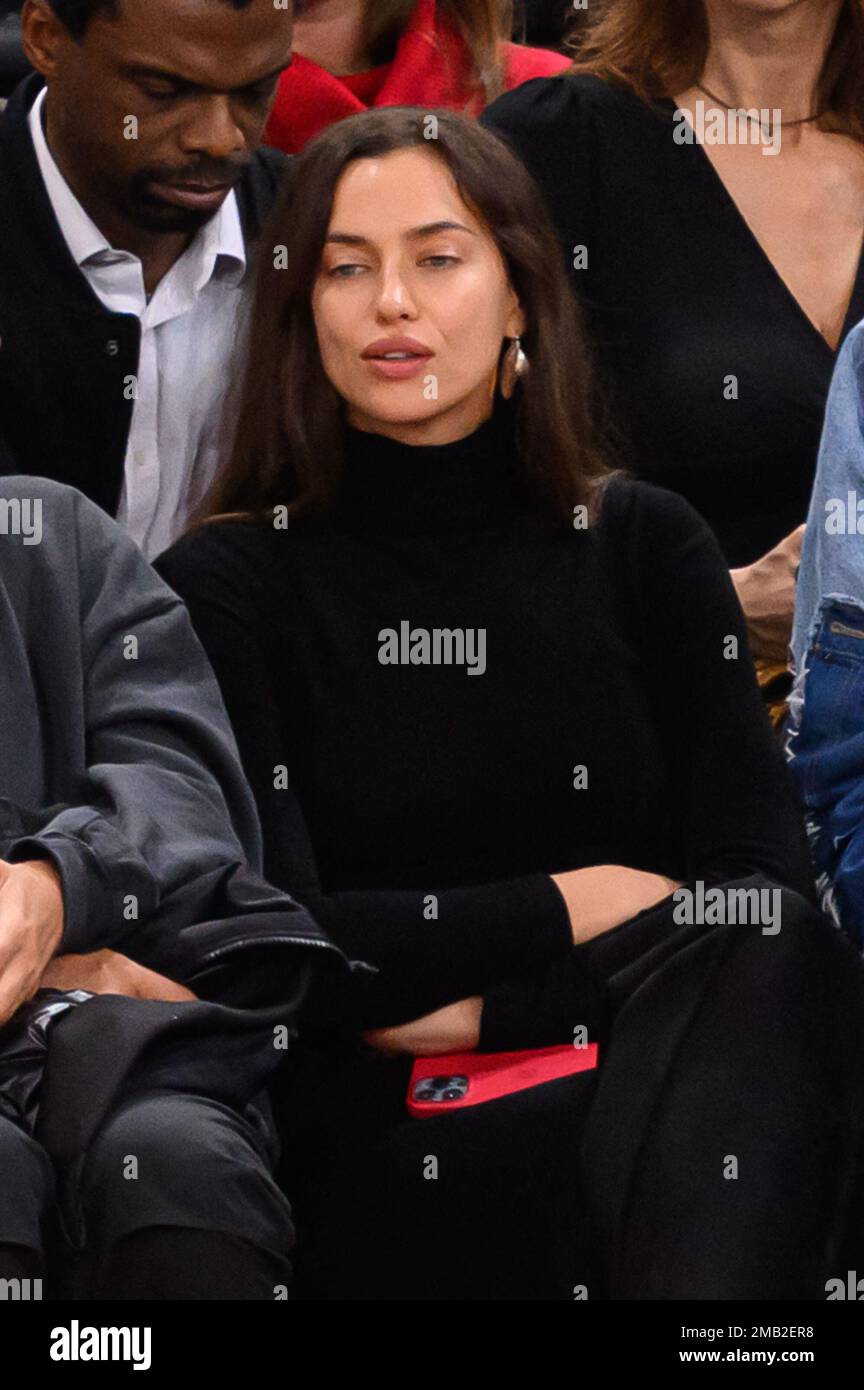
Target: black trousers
[(716, 1153), (164, 1161)]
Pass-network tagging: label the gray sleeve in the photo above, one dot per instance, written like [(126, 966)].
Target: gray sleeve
[(164, 802)]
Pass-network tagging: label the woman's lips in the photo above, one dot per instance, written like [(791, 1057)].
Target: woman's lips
[(194, 197), (398, 368)]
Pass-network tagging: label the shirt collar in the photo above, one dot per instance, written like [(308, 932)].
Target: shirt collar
[(221, 236), (222, 240)]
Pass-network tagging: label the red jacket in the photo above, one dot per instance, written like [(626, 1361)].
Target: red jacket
[(429, 69)]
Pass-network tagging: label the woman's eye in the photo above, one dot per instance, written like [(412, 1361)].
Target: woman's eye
[(439, 262), (344, 272)]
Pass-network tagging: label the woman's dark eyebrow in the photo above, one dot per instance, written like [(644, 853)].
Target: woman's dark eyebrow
[(444, 226), (428, 229), (346, 239)]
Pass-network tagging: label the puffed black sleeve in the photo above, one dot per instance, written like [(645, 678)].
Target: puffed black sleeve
[(554, 125)]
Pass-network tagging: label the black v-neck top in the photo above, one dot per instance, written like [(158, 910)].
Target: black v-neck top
[(680, 297), (381, 784)]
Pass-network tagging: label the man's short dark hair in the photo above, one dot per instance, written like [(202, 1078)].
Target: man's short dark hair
[(75, 15)]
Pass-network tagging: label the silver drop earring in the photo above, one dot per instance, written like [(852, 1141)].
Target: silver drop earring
[(515, 365)]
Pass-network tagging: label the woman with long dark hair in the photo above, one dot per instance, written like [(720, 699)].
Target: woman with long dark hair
[(704, 164), (499, 716), (350, 55)]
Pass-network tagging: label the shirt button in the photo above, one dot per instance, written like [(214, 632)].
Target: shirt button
[(112, 347)]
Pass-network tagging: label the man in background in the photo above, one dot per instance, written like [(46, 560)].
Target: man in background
[(132, 191)]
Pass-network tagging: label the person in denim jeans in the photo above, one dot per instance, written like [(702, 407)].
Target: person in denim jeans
[(826, 727)]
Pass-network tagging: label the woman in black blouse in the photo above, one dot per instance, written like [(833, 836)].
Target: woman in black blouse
[(496, 707), (719, 278)]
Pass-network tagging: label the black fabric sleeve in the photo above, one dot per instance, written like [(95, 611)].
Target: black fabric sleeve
[(545, 1007), (735, 803), (550, 124), (482, 935)]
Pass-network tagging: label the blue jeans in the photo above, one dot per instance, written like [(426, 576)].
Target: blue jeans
[(826, 750)]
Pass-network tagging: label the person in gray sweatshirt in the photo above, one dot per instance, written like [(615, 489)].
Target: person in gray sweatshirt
[(150, 978)]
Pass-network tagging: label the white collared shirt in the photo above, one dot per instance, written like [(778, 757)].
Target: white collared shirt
[(188, 330)]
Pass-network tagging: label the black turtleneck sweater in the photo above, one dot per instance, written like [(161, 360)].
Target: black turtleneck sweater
[(419, 809)]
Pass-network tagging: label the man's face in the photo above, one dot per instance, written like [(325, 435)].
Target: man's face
[(157, 111)]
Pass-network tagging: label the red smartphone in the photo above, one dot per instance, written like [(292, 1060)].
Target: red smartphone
[(446, 1083)]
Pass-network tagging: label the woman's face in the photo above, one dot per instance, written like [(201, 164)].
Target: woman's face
[(412, 302)]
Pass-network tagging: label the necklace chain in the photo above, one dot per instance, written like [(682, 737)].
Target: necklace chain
[(802, 120)]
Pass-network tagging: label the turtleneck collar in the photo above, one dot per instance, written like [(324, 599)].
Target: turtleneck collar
[(471, 484)]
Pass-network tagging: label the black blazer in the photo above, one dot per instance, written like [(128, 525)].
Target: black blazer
[(64, 358)]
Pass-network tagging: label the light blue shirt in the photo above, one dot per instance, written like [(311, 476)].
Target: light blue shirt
[(832, 558)]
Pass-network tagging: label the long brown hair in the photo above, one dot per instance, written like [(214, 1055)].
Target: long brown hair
[(289, 440), (659, 47), (482, 24)]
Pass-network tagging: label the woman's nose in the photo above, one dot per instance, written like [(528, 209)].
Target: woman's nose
[(394, 298)]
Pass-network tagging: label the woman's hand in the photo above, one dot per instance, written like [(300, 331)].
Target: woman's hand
[(31, 927), (108, 972), (455, 1028), (605, 895), (766, 592)]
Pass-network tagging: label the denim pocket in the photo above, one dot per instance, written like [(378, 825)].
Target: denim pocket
[(828, 738), (826, 747)]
